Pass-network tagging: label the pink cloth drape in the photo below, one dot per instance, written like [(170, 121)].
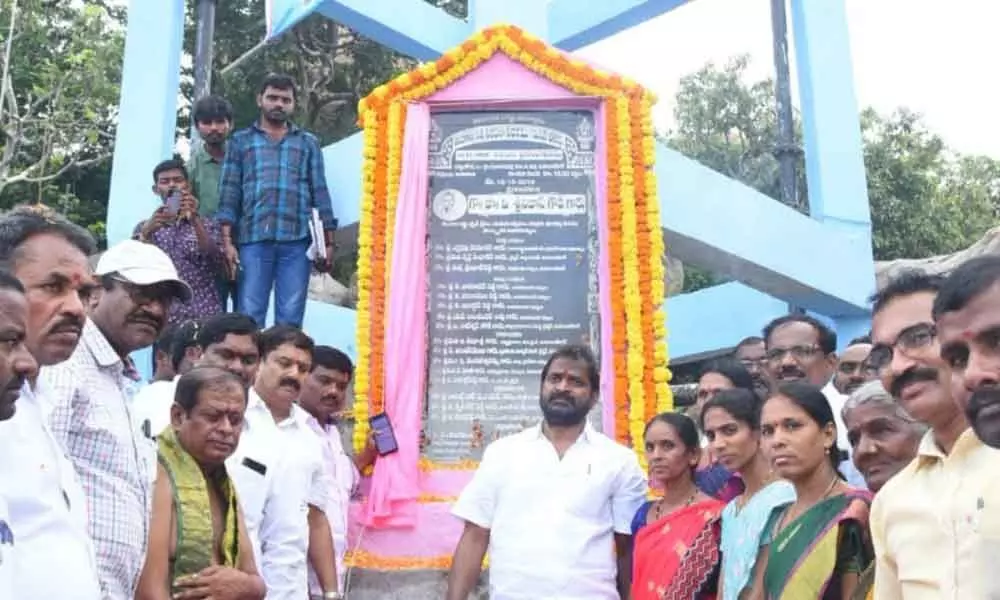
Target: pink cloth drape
[(392, 500), (604, 277)]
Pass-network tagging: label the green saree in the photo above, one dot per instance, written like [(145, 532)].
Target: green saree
[(808, 558)]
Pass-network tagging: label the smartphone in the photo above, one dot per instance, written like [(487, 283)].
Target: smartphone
[(385, 437), (174, 202)]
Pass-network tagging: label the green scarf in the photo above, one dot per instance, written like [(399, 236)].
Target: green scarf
[(192, 511)]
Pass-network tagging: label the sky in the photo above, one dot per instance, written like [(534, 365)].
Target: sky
[(940, 62)]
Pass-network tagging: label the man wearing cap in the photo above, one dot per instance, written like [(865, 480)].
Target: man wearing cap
[(90, 395)]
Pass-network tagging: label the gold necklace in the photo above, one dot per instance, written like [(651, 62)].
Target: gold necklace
[(658, 509)]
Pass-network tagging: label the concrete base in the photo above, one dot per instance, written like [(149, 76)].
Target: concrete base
[(403, 585)]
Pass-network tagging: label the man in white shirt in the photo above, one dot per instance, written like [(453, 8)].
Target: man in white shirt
[(16, 366), (802, 348), (47, 507), (91, 394), (288, 495), (323, 397), (553, 503)]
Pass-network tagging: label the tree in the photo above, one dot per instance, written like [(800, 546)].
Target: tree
[(334, 66), (731, 126), (925, 199), (60, 77)]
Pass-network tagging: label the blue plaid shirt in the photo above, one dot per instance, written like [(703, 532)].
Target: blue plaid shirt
[(268, 189)]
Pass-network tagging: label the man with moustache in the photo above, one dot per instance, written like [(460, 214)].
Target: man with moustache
[(324, 393), (967, 314), (272, 179), (294, 531), (230, 341), (852, 366), (48, 255), (549, 502), (16, 366), (91, 416), (801, 348), (925, 521)]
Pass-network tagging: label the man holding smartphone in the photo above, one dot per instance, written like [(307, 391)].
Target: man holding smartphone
[(193, 242)]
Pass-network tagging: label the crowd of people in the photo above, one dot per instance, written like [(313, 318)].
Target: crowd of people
[(799, 473), (757, 500), (235, 219), (225, 477)]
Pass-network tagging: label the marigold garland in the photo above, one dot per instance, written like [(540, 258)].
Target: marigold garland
[(616, 276), (635, 241), (630, 244), (646, 249), (361, 410)]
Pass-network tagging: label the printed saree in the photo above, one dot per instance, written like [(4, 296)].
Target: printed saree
[(195, 549), (808, 558), (677, 556)]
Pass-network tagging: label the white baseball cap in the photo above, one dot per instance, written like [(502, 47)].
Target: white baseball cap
[(141, 264)]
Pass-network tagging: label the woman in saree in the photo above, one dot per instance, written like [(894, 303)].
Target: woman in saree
[(731, 423), (884, 439), (818, 545), (711, 476), (676, 553)]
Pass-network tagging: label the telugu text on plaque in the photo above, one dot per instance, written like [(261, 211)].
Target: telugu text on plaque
[(512, 259)]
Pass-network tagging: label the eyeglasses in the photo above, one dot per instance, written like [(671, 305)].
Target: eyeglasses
[(799, 353), (164, 293), (911, 339)]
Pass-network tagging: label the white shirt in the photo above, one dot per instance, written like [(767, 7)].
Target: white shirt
[(847, 468), (152, 404), (47, 507), (552, 522), (275, 502), (342, 476), (6, 552), (90, 395)]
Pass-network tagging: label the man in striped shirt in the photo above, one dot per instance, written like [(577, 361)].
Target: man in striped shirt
[(272, 179)]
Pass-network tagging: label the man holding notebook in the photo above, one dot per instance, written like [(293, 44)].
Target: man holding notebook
[(272, 180)]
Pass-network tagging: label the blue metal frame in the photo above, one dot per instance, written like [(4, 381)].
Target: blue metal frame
[(822, 262)]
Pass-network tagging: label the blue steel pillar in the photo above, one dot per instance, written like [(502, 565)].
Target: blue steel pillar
[(147, 117), (835, 169), (835, 166)]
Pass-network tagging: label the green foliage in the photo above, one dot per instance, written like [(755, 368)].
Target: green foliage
[(925, 199), (58, 116), (731, 126), (334, 66)]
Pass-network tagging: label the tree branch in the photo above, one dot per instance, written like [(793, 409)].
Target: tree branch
[(25, 175)]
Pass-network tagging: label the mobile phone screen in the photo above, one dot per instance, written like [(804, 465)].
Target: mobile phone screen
[(174, 203), (385, 437)]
